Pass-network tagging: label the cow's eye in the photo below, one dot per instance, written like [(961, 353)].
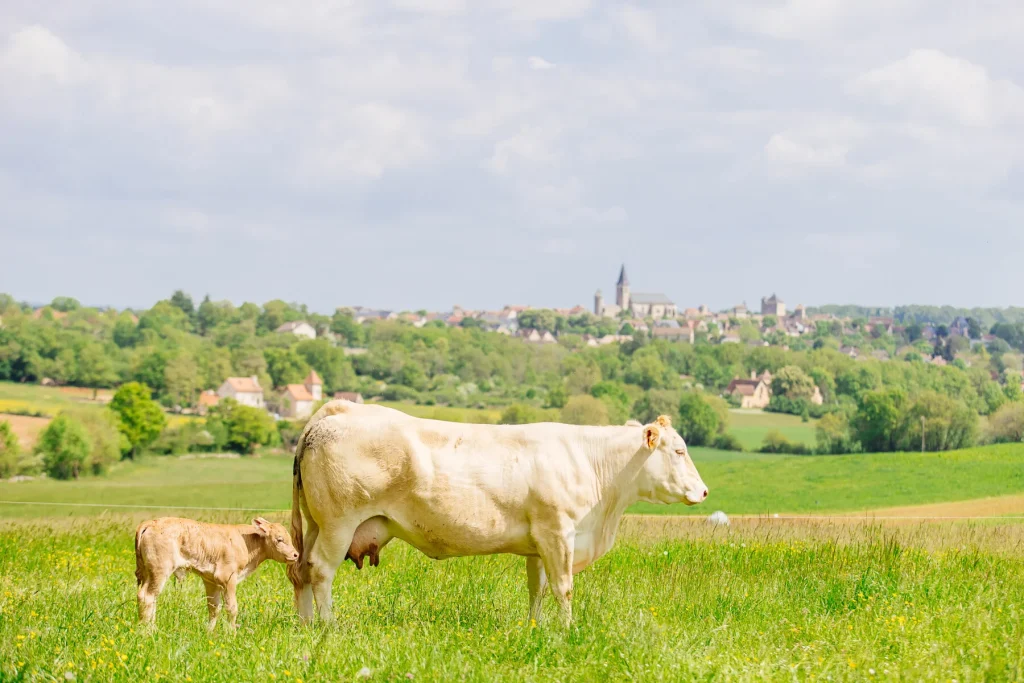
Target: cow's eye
[(680, 451)]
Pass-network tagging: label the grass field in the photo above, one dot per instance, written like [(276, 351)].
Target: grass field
[(740, 483), (676, 599), (751, 426), (670, 602)]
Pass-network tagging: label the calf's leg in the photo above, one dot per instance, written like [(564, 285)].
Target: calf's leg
[(230, 602), (213, 596), (149, 591), (538, 582)]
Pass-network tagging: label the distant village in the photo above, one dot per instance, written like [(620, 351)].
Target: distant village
[(654, 314)]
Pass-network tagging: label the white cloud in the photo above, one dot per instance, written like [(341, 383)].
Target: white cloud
[(641, 25), (929, 80), (785, 150), (442, 7), (531, 146), (33, 52), (543, 10), (540, 64)]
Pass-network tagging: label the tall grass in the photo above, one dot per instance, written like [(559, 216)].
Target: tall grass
[(749, 603)]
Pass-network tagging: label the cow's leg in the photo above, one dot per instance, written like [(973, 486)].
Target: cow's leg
[(332, 545), (556, 551), (304, 595), (538, 582), (213, 595)]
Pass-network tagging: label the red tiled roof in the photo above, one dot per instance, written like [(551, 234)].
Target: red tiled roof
[(245, 385), (298, 392)]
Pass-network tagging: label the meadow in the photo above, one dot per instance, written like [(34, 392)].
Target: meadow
[(740, 483), (676, 599), (751, 426), (673, 601)]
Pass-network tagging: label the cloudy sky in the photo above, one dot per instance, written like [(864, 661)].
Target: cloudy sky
[(424, 153)]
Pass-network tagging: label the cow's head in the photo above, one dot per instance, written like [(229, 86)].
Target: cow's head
[(669, 475), (276, 541)]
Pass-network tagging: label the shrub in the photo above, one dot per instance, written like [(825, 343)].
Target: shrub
[(519, 414), (140, 417), (240, 428), (948, 424), (727, 442), (1006, 425), (13, 461), (398, 392), (833, 435), (776, 442), (190, 437), (106, 442), (698, 420), (64, 445), (585, 410), (654, 403)]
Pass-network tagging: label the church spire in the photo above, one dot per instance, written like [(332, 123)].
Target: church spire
[(623, 278)]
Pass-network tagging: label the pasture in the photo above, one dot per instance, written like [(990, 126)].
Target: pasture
[(675, 600), (751, 426)]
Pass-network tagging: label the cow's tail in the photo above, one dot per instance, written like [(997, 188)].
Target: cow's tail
[(298, 572)]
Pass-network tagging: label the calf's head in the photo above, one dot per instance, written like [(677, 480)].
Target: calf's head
[(668, 475), (276, 541)]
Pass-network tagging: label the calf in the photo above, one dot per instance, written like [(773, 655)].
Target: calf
[(223, 554)]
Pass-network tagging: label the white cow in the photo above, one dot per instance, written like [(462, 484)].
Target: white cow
[(553, 493)]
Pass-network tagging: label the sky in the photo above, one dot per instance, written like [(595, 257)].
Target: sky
[(415, 154)]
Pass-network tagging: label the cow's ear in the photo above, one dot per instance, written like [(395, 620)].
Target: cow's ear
[(652, 435), (664, 421), (262, 526)]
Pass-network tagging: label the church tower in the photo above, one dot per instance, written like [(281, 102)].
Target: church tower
[(622, 290), (598, 303)]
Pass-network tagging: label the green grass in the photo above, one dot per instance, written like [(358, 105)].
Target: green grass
[(740, 483), (446, 413), (701, 604), (32, 399), (750, 427)]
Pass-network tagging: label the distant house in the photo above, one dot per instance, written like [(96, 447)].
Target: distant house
[(245, 390), (638, 304), (960, 327), (300, 328), (731, 338), (297, 400), (208, 399), (752, 393), (533, 336), (353, 396), (799, 313), (672, 330)]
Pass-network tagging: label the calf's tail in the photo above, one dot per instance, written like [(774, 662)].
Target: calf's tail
[(139, 571)]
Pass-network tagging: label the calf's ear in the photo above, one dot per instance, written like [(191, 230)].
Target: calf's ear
[(262, 526), (652, 436)]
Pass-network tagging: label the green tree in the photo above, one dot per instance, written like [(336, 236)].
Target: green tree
[(285, 366), (878, 419), (64, 446), (948, 424), (647, 369), (139, 417), (241, 429), (345, 326), (94, 366), (520, 414), (126, 331), (65, 304), (833, 435), (654, 403), (11, 460), (183, 301), (106, 442), (1006, 425), (698, 421), (557, 396), (585, 410), (181, 379), (793, 383)]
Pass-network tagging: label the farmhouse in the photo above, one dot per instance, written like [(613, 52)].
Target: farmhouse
[(297, 400), (353, 396), (245, 390), (208, 399), (300, 328), (754, 392)]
